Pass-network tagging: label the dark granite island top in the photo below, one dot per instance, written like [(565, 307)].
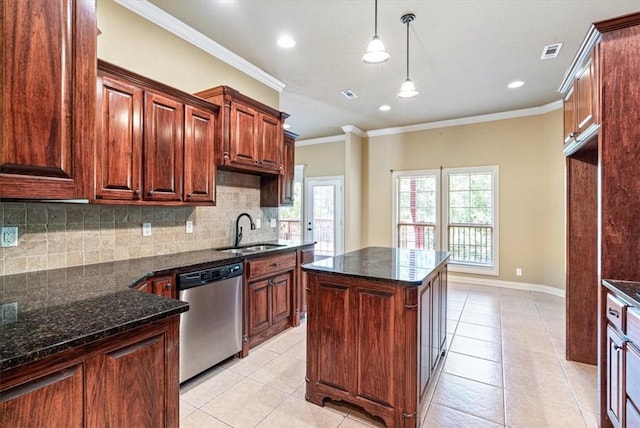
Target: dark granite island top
[(397, 265)]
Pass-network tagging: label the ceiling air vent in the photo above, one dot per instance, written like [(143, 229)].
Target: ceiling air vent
[(349, 94), (551, 51)]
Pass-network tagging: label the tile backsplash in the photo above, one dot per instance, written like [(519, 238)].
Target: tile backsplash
[(56, 235)]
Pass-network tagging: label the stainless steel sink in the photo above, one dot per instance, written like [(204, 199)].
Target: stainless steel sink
[(250, 248)]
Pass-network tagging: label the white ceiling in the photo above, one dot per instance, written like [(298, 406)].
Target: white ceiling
[(463, 54)]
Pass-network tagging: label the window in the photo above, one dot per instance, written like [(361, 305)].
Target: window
[(459, 216), (290, 218)]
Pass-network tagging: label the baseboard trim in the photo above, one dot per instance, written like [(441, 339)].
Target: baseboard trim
[(506, 284)]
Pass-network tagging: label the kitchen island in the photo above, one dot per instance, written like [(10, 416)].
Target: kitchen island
[(376, 329)]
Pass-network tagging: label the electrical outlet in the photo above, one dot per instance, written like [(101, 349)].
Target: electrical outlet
[(146, 229), (272, 222), (8, 312), (189, 226), (258, 223), (9, 236), (518, 272)]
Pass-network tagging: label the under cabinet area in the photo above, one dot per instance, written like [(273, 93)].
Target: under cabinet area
[(48, 56), (269, 297), (154, 143), (130, 379)]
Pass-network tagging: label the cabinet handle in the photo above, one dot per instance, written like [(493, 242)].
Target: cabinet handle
[(617, 347), (150, 193), (168, 286), (574, 134), (274, 264), (613, 313), (189, 195)]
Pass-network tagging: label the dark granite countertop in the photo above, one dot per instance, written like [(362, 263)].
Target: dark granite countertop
[(58, 309), (397, 265), (46, 331), (629, 291)]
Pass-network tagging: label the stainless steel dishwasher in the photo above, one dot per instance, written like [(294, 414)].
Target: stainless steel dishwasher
[(211, 330)]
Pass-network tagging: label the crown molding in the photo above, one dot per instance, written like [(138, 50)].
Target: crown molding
[(533, 111), (321, 140), (173, 25), (354, 130)]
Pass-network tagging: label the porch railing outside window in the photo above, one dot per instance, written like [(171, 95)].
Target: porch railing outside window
[(291, 230), (417, 236), (471, 243)]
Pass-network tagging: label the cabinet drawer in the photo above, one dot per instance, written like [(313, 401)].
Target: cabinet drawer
[(633, 326), (269, 265), (633, 417), (616, 312), (633, 373)]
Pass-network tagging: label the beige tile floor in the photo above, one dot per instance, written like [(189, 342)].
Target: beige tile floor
[(504, 368)]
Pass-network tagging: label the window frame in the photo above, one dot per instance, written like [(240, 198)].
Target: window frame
[(463, 267), (442, 213)]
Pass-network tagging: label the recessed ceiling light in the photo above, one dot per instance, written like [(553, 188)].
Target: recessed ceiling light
[(286, 42), (385, 107), (515, 84)]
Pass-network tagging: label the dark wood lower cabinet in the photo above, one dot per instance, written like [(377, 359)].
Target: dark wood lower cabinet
[(375, 344), (130, 379), (616, 376)]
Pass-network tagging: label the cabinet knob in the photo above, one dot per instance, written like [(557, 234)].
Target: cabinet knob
[(168, 286), (275, 264), (150, 193), (574, 134), (136, 194), (189, 195)]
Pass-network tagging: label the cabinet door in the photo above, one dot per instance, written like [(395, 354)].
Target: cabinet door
[(615, 377), (162, 286), (244, 135), (199, 149), (569, 116), (288, 171), (584, 98), (424, 346), (127, 385), (119, 140), (62, 391), (48, 56), (270, 143), (163, 148), (436, 296), (632, 374), (281, 296), (307, 255), (259, 306)]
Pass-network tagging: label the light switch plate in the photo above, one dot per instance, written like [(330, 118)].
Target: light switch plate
[(258, 223), (9, 236), (189, 227), (146, 229), (272, 222)]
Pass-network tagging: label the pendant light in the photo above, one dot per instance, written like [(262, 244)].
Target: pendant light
[(408, 89), (375, 51)]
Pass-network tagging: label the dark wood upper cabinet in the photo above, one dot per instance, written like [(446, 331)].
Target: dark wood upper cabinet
[(162, 154), (199, 149), (156, 145), (251, 132), (119, 140), (278, 190), (48, 60)]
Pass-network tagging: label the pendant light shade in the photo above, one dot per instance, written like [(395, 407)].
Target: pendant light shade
[(375, 51), (408, 89)]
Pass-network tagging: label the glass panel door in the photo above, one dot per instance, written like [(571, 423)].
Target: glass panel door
[(323, 221)]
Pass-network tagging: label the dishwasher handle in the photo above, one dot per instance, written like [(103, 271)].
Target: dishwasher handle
[(206, 276)]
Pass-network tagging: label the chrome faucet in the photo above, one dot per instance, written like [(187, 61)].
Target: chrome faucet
[(239, 229)]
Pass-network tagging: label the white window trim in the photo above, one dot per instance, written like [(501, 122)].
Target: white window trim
[(464, 267), (442, 214), (394, 192)]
